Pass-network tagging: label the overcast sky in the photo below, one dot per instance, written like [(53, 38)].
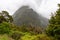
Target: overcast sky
[(44, 7)]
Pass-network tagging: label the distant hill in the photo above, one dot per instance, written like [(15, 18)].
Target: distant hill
[(28, 16)]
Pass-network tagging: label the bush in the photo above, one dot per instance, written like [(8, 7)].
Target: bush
[(36, 37), (5, 37), (16, 35), (43, 37), (4, 28)]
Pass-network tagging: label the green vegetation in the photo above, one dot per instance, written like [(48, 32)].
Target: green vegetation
[(4, 16), (5, 37), (54, 27), (9, 31), (4, 28)]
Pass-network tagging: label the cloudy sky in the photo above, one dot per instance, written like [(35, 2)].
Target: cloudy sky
[(44, 7)]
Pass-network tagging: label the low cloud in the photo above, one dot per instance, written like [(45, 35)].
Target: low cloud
[(44, 7)]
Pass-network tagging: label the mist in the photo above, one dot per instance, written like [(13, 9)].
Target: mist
[(43, 7)]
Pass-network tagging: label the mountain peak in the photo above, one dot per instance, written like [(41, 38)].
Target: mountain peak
[(26, 15)]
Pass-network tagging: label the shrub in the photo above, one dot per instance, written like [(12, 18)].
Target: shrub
[(36, 37), (4, 28), (16, 35), (5, 37)]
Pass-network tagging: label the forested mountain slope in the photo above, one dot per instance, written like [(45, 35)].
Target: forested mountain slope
[(28, 16)]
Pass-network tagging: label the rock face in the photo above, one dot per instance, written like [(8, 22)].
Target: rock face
[(28, 16)]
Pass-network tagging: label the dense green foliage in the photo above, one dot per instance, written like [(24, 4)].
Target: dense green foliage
[(5, 37), (54, 27), (16, 34), (4, 28), (9, 31)]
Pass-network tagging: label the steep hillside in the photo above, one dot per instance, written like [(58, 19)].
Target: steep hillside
[(28, 16)]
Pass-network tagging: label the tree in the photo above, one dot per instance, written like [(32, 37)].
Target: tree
[(53, 28), (4, 16)]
